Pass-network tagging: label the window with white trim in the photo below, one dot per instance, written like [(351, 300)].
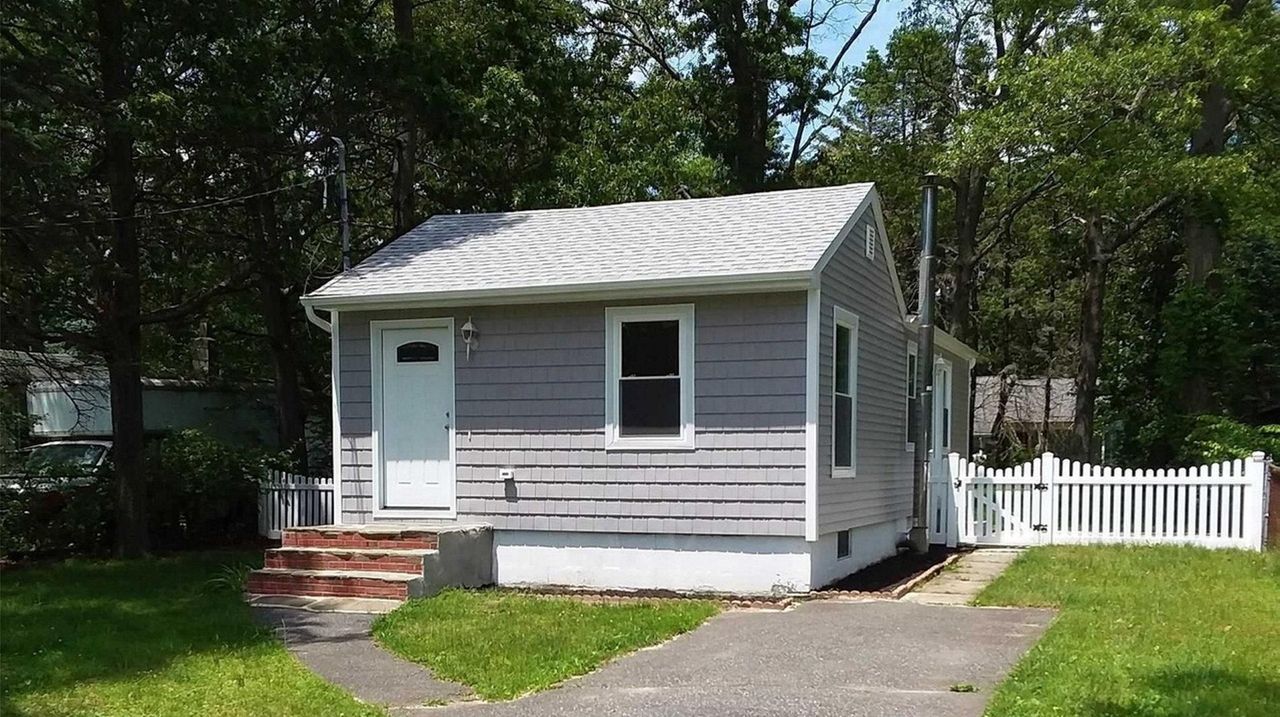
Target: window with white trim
[(913, 365), (649, 369), (942, 398), (844, 395)]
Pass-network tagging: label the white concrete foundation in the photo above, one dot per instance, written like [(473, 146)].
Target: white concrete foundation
[(868, 545), (741, 565)]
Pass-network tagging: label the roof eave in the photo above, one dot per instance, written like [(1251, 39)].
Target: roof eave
[(563, 293)]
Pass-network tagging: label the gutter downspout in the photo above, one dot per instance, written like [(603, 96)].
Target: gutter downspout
[(919, 536), (313, 318)]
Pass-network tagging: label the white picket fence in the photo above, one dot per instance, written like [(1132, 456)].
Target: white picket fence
[(288, 500), (1051, 501)]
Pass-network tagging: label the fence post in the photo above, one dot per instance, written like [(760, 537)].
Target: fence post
[(1255, 473), (1048, 497)]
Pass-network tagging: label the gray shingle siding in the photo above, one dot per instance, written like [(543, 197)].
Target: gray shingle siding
[(881, 490), (532, 396)]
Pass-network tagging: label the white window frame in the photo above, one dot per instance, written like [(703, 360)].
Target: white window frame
[(913, 371), (614, 318), (942, 402), (848, 319)]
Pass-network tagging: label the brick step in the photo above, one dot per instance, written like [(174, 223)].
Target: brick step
[(367, 559), (335, 583), (361, 537)]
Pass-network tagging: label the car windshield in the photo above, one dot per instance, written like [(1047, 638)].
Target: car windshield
[(80, 455)]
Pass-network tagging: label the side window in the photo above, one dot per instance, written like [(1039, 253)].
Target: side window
[(649, 355), (913, 365), (844, 395)]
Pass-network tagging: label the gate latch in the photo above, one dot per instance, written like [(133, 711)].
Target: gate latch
[(1040, 528), (1042, 486)]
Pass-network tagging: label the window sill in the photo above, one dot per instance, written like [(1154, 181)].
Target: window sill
[(649, 444), (844, 473), (911, 447)]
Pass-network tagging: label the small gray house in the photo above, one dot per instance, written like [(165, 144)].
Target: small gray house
[(704, 394)]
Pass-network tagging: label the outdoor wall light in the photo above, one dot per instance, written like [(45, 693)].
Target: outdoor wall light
[(469, 334)]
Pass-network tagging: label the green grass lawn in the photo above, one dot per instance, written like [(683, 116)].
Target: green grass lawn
[(505, 644), (148, 637), (1146, 632)]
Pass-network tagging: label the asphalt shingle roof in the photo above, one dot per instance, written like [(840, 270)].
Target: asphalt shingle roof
[(751, 234)]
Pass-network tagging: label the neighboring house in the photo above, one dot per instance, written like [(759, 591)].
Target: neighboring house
[(1034, 412), (59, 397), (705, 394)]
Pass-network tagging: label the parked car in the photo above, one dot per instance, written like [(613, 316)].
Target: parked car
[(57, 465)]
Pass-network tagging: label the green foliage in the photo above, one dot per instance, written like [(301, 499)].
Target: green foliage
[(1217, 438), (504, 645), (202, 493)]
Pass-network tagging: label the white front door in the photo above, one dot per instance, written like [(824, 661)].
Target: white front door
[(414, 422)]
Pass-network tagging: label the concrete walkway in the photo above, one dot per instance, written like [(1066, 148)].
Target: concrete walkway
[(961, 581), (820, 658), (339, 648)]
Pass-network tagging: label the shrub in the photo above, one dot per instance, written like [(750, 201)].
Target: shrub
[(201, 493), (1218, 438)]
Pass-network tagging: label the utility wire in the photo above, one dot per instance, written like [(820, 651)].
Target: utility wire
[(180, 210)]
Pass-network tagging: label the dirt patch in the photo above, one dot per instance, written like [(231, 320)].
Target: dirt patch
[(890, 574)]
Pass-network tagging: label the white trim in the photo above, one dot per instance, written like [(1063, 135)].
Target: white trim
[(335, 370), (375, 382), (848, 319), (812, 360), (614, 317), (943, 401), (605, 290), (945, 341), (913, 351)]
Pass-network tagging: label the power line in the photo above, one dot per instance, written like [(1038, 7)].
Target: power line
[(166, 212)]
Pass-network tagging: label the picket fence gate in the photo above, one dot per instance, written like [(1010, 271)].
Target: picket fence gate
[(1054, 501), (289, 500)]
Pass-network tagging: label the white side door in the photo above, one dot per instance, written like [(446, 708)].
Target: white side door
[(414, 421)]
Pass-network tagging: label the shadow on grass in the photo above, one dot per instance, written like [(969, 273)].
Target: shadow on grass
[(83, 620), (1198, 692)]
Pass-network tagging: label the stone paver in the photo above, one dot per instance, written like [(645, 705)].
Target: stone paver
[(964, 579), (338, 647), (824, 658)]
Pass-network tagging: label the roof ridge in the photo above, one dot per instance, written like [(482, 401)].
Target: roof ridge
[(650, 202)]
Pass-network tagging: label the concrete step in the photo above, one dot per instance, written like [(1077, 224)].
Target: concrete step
[(326, 558), (334, 583)]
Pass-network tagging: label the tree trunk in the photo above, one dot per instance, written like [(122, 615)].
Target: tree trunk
[(1202, 218), (123, 293), (404, 215), (276, 306), (971, 195), (1091, 317)]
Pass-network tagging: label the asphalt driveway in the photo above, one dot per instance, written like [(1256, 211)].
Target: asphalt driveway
[(821, 658)]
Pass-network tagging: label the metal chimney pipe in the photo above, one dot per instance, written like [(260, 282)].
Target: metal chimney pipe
[(924, 368), (343, 211)]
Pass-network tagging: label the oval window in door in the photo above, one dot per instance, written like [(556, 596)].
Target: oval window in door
[(417, 352)]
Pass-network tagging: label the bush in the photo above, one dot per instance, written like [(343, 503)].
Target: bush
[(1218, 438), (201, 493)]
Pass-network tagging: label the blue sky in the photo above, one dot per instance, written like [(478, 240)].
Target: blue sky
[(875, 35)]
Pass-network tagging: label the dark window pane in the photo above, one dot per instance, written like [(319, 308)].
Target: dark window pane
[(417, 352), (844, 429), (842, 359), (651, 348), (946, 427), (911, 375), (649, 407), (842, 544)]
